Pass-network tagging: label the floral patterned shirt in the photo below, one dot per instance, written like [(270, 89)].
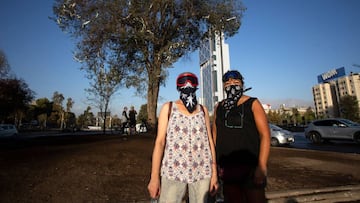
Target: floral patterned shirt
[(187, 155)]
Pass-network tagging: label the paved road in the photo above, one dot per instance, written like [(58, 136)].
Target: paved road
[(300, 141), (336, 146)]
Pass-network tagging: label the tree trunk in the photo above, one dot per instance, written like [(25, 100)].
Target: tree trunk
[(62, 120), (104, 123), (152, 97)]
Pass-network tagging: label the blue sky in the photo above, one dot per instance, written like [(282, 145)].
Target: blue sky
[(280, 49)]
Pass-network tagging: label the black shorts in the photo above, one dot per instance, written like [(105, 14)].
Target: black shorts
[(242, 176)]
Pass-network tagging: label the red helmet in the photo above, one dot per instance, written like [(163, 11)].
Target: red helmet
[(184, 78)]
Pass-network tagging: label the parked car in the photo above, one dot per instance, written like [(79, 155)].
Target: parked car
[(280, 136), (7, 130), (333, 129)]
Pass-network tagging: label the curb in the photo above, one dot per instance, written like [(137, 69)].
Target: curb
[(348, 193), (329, 194)]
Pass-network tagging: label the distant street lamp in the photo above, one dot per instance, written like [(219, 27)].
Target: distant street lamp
[(229, 19), (221, 43), (221, 48)]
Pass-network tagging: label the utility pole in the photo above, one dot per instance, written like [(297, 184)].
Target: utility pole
[(221, 51)]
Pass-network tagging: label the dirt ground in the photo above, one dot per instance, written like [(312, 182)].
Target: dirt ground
[(112, 168)]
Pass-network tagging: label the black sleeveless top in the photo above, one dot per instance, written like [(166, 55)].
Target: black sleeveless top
[(237, 141)]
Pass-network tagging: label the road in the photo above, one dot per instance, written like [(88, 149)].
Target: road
[(335, 146), (300, 141)]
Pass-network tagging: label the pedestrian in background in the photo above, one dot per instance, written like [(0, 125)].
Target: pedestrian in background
[(132, 120), (184, 152), (242, 138), (124, 120)]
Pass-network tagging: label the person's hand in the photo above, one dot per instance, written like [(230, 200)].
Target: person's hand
[(260, 175), (154, 188), (213, 185)]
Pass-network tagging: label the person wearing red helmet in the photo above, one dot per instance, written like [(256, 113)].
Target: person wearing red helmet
[(186, 84), (184, 152)]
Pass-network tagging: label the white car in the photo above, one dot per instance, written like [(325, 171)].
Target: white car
[(280, 136), (7, 130), (139, 128)]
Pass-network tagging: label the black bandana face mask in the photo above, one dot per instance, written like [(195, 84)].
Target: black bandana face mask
[(188, 97), (233, 92)]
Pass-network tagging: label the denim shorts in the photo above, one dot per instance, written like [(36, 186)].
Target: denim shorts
[(173, 191)]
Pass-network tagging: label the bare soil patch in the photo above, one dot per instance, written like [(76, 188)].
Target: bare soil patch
[(113, 168)]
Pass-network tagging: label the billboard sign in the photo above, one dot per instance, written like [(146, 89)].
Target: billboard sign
[(331, 75)]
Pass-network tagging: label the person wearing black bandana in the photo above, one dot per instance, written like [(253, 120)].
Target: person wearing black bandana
[(184, 152), (188, 97), (242, 140)]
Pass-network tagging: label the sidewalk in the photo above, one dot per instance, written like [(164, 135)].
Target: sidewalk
[(349, 193), (340, 194)]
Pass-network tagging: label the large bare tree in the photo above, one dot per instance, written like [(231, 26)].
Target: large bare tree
[(144, 37), (105, 81)]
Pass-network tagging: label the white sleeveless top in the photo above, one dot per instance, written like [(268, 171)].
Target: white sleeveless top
[(187, 156)]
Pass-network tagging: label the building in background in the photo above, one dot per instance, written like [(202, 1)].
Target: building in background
[(332, 86), (214, 62)]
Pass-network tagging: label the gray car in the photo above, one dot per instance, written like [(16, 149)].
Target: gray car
[(333, 129), (280, 136)]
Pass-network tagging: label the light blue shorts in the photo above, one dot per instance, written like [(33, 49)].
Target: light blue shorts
[(173, 191)]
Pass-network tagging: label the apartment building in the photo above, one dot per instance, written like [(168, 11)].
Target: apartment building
[(214, 62), (332, 86)]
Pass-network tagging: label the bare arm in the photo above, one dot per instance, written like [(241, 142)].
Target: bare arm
[(214, 133), (214, 180), (154, 184), (264, 131)]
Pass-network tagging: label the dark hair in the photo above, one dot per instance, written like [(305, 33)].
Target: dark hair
[(234, 74)]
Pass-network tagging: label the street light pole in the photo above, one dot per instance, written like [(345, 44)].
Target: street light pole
[(221, 51)]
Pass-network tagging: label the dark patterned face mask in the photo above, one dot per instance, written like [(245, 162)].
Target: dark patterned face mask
[(188, 97), (233, 92)]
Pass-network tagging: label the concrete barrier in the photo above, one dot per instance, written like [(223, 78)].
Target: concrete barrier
[(328, 195)]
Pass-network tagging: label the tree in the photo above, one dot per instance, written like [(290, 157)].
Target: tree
[(15, 96), (349, 108), (106, 82), (58, 108), (86, 119), (70, 118), (70, 121), (43, 111), (4, 65), (69, 104), (274, 117), (295, 117), (143, 38), (116, 122), (309, 115), (143, 115)]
